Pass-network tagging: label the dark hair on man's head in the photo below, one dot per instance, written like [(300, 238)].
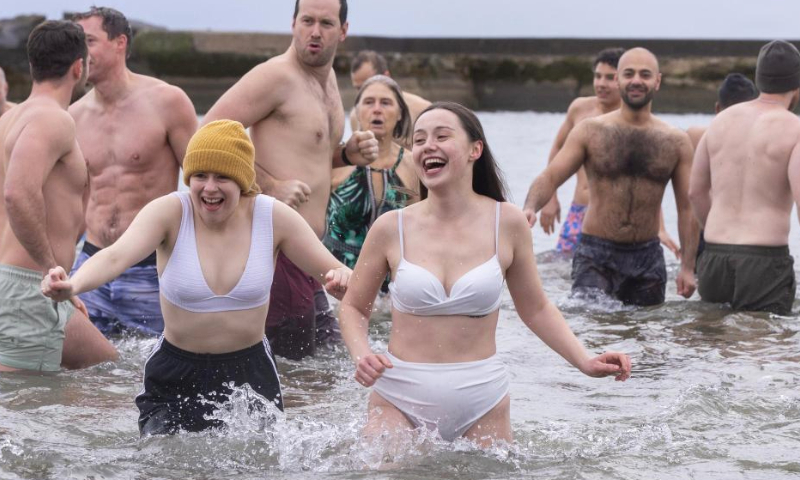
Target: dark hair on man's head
[(487, 179), (609, 56), (736, 88), (403, 127), (342, 10), (373, 58), (53, 46), (114, 23)]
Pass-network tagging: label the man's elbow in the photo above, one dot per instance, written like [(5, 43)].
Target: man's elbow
[(14, 198)]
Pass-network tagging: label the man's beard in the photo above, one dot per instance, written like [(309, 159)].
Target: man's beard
[(639, 104)]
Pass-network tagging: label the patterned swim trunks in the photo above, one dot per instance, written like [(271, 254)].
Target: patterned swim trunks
[(571, 229)]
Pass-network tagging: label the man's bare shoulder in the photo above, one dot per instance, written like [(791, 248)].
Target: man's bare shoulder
[(43, 121), (45, 115), (582, 108), (415, 101), (83, 105), (677, 135), (167, 98), (695, 134)]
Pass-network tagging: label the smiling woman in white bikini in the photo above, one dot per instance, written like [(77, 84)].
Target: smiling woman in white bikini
[(215, 251), (448, 256)]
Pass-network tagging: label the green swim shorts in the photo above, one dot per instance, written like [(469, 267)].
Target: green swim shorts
[(31, 325)]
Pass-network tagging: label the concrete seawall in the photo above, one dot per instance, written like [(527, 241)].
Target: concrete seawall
[(485, 74)]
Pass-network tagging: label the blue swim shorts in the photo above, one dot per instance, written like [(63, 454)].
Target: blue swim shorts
[(128, 303)]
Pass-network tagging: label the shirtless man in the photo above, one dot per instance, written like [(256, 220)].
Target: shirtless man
[(736, 88), (4, 104), (367, 64), (43, 181), (606, 99), (744, 182), (629, 156), (133, 131), (292, 106)]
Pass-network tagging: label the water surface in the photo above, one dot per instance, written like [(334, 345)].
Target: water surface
[(714, 394)]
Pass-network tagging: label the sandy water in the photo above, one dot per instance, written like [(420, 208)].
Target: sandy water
[(714, 394)]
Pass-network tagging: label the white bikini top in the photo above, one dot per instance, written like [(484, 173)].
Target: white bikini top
[(417, 291), (183, 283)]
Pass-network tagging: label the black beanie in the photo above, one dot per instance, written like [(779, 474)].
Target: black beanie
[(778, 67)]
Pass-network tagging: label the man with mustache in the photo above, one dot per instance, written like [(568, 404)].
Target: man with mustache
[(629, 156), (606, 99), (292, 106)]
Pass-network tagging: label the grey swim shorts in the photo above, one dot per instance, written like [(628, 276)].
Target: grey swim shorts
[(31, 325)]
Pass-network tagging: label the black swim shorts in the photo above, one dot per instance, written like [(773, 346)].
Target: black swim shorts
[(752, 278), (178, 385), (634, 273)]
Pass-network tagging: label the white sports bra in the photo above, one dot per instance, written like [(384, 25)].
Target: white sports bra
[(183, 283), (417, 291)]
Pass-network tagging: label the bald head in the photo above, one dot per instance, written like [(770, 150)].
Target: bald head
[(638, 78), (640, 57)]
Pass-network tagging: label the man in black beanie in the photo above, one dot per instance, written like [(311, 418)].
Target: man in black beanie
[(745, 180)]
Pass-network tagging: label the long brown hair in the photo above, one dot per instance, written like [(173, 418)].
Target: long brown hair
[(487, 178)]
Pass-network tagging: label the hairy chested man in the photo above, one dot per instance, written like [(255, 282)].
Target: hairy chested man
[(744, 183), (133, 131), (368, 63), (5, 105), (292, 106), (629, 156), (606, 99), (43, 181)]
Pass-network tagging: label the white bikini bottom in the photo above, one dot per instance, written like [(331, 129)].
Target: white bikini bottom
[(447, 397)]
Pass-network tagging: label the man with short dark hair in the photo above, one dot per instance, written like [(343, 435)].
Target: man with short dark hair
[(736, 88), (367, 64), (43, 181), (291, 104), (630, 155), (5, 105), (745, 181), (133, 131), (606, 99)]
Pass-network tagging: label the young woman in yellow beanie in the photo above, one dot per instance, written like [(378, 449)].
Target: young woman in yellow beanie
[(216, 247)]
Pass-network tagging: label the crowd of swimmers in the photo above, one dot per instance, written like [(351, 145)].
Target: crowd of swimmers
[(234, 271)]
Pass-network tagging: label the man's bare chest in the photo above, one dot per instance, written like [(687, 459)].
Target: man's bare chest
[(634, 153)]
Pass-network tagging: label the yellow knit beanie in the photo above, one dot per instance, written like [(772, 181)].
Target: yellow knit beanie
[(223, 147)]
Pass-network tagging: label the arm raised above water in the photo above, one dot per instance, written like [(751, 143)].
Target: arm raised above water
[(254, 97), (180, 118), (794, 175), (39, 146), (565, 164), (146, 233), (539, 314), (356, 309), (295, 238), (688, 228), (700, 182)]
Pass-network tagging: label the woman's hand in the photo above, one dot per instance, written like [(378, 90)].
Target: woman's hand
[(336, 281), (370, 368), (609, 363), (56, 285)]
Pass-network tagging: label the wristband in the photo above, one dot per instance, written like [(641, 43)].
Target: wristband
[(345, 160)]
